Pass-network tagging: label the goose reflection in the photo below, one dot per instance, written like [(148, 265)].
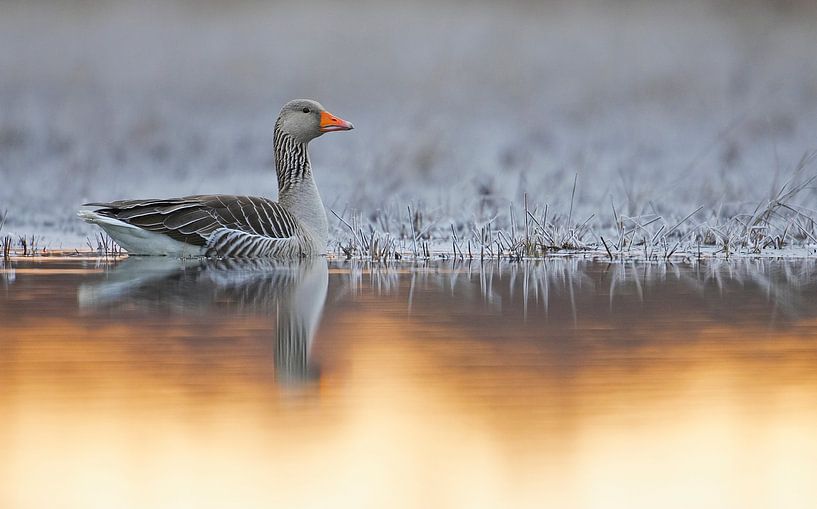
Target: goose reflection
[(294, 292)]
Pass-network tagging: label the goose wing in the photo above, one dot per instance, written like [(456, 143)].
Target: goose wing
[(227, 225)]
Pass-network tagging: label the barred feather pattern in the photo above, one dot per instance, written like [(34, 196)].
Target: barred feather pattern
[(291, 160), (229, 243), (226, 225)]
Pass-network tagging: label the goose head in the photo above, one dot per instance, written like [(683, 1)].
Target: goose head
[(305, 120)]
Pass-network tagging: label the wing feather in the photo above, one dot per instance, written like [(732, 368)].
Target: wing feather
[(249, 226)]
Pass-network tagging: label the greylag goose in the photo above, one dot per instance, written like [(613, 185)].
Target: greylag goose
[(235, 226)]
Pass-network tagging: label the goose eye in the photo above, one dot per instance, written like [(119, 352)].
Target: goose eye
[(306, 110)]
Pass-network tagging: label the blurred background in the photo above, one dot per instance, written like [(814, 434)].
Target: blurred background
[(460, 107)]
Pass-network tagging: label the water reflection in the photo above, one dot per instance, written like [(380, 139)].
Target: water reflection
[(718, 287), (561, 383), (293, 292)]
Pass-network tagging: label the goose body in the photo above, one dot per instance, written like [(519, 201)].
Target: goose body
[(235, 226)]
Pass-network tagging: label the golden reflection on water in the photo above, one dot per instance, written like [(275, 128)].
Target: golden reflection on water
[(234, 385)]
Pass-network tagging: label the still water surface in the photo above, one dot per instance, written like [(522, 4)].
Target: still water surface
[(564, 383)]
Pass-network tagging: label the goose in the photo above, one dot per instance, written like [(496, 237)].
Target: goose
[(227, 226)]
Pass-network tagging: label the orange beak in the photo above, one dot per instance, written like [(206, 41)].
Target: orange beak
[(331, 123)]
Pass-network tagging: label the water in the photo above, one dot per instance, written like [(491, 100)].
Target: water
[(565, 383)]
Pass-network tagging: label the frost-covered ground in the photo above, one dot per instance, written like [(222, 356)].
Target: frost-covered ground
[(460, 109)]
